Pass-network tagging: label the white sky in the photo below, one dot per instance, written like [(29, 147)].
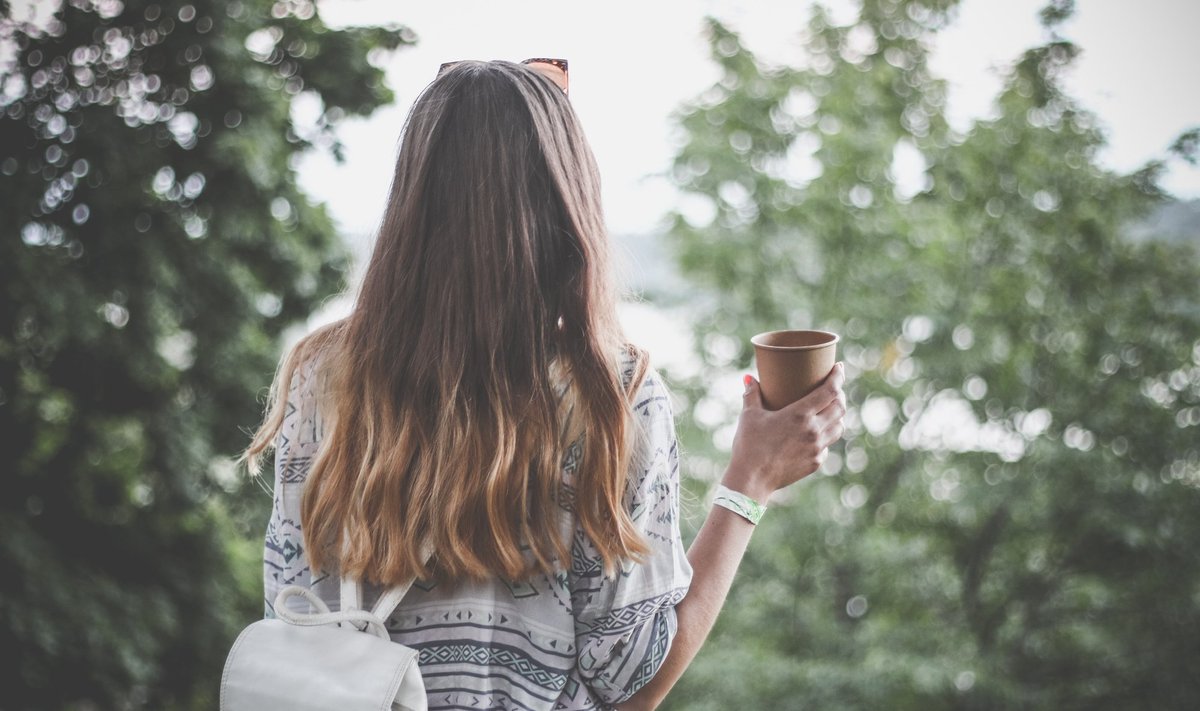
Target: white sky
[(633, 63)]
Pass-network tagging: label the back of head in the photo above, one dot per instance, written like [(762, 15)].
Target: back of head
[(495, 203), (483, 340)]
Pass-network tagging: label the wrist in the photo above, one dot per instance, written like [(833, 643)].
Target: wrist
[(739, 503), (744, 482)]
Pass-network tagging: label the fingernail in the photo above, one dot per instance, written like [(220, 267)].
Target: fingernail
[(746, 381)]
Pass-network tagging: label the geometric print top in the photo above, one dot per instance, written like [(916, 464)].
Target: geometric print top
[(571, 641)]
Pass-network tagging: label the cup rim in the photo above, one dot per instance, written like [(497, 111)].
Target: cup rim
[(833, 339)]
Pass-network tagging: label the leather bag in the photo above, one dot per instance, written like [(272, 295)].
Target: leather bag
[(323, 660)]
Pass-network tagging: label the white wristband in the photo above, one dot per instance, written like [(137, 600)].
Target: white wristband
[(739, 503)]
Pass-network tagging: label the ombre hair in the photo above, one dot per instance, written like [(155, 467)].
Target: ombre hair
[(483, 343)]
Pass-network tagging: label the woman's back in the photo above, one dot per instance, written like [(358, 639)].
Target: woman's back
[(571, 639), (482, 403)]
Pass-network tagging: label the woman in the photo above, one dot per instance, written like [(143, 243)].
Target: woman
[(481, 402)]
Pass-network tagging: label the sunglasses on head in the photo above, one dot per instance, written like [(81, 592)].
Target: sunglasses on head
[(553, 68)]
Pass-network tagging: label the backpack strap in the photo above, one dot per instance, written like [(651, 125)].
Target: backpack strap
[(360, 619), (351, 594), (388, 601)]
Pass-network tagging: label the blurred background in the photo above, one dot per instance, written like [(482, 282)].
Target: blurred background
[(996, 205)]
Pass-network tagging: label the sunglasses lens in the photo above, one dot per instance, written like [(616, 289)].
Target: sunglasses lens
[(552, 71), (555, 70)]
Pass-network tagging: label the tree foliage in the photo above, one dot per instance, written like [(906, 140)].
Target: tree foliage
[(153, 247), (1010, 522)]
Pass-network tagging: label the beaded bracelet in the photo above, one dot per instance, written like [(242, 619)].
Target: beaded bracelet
[(739, 503)]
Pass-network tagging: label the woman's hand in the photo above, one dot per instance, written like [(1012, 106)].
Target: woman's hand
[(770, 451), (774, 449)]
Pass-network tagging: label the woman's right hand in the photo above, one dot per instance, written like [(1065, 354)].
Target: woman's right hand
[(774, 449), (770, 451)]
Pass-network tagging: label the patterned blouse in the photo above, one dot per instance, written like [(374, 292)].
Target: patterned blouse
[(569, 641)]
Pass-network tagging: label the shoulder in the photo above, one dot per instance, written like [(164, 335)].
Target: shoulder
[(637, 376), (632, 363), (303, 364), (302, 426), (647, 393), (651, 394)]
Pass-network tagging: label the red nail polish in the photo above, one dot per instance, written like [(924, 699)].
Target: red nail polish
[(746, 380)]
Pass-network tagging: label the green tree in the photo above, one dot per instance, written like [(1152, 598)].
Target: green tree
[(1011, 520), (154, 245)]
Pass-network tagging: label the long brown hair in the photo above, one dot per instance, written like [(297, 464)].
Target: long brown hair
[(483, 341)]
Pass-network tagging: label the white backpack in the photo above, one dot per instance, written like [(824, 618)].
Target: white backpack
[(322, 660)]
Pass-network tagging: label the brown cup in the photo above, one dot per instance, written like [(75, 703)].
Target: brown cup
[(792, 363)]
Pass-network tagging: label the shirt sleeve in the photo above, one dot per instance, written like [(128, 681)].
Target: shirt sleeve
[(624, 626), (284, 560)]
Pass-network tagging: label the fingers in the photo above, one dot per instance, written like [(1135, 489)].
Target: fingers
[(825, 393), (792, 443), (829, 401), (815, 462), (752, 397), (832, 433), (824, 440), (834, 411), (823, 429), (826, 427)]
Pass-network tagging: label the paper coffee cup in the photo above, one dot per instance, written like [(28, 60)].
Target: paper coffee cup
[(792, 363)]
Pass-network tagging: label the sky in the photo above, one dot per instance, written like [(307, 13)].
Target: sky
[(632, 64)]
